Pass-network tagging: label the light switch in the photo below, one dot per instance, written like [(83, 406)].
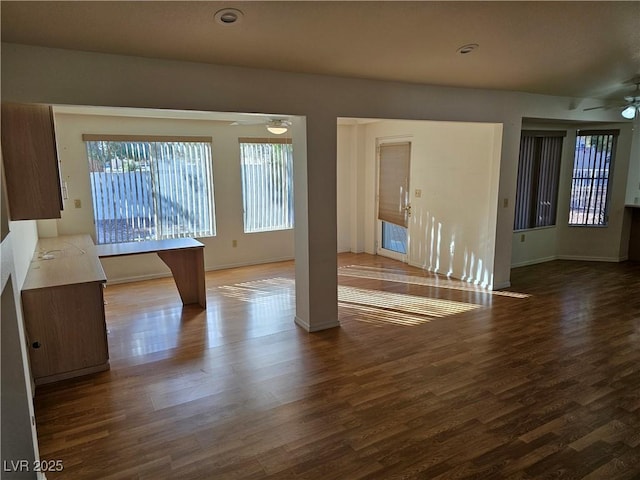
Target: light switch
[(505, 202), (77, 203), (418, 193)]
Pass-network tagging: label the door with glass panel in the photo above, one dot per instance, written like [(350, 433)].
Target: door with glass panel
[(394, 208)]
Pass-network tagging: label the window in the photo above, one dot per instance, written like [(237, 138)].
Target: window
[(150, 188), (594, 156), (538, 177), (267, 184), (394, 161)]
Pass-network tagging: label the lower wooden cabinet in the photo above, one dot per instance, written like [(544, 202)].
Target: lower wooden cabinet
[(634, 236), (63, 309), (67, 331)]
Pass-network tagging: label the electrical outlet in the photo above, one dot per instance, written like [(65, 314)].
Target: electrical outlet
[(77, 203), (234, 243)]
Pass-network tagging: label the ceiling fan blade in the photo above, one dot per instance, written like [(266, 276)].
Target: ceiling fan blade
[(249, 122), (607, 107), (281, 120)]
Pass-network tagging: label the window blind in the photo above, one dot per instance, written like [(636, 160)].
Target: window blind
[(538, 176), (393, 182), (147, 188), (267, 184)]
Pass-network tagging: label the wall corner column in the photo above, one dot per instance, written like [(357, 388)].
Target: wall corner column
[(316, 259)]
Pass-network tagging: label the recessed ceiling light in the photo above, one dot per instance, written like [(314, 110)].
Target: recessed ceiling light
[(228, 16), (468, 48)]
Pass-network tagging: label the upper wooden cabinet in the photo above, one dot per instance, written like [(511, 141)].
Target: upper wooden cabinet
[(30, 162)]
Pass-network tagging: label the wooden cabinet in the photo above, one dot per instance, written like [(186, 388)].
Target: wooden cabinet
[(30, 162), (62, 301), (634, 236)]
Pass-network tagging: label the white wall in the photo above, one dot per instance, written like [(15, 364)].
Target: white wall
[(18, 437), (36, 74), (25, 236), (580, 243), (219, 253), (455, 166), (534, 246), (345, 161), (352, 199), (55, 76), (633, 177), (597, 243)]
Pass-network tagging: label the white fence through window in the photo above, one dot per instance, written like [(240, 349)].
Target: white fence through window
[(149, 188), (267, 184)]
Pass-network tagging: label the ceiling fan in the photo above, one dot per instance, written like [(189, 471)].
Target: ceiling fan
[(277, 126), (629, 110)]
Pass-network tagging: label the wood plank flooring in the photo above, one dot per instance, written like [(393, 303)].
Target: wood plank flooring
[(427, 378)]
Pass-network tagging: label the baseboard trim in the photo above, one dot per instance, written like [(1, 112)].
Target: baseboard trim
[(591, 259), (580, 258), (248, 264), (468, 280), (153, 276), (535, 261), (316, 328), (500, 286)]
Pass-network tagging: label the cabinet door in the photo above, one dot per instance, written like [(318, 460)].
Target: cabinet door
[(30, 162), (66, 330)]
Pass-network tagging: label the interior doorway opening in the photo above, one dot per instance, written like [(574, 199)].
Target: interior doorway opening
[(442, 201)]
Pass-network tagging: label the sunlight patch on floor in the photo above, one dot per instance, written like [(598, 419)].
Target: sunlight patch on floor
[(260, 290), (400, 305), (388, 275), (380, 316), (366, 305)]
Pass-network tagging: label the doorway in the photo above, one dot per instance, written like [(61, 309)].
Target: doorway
[(393, 205)]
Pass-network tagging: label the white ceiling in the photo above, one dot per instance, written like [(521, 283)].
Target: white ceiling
[(581, 49)]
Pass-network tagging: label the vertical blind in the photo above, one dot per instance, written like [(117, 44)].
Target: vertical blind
[(149, 187), (538, 177), (267, 184), (593, 161), (393, 182)]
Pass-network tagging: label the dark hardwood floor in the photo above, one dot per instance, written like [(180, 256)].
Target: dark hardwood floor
[(426, 378)]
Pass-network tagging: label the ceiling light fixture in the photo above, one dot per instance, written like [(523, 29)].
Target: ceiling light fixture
[(228, 16), (468, 48), (629, 112), (277, 127), (632, 109)]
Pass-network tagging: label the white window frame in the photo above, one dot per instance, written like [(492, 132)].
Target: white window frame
[(267, 184), (147, 187)]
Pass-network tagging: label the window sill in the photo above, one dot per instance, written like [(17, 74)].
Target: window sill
[(535, 229)]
